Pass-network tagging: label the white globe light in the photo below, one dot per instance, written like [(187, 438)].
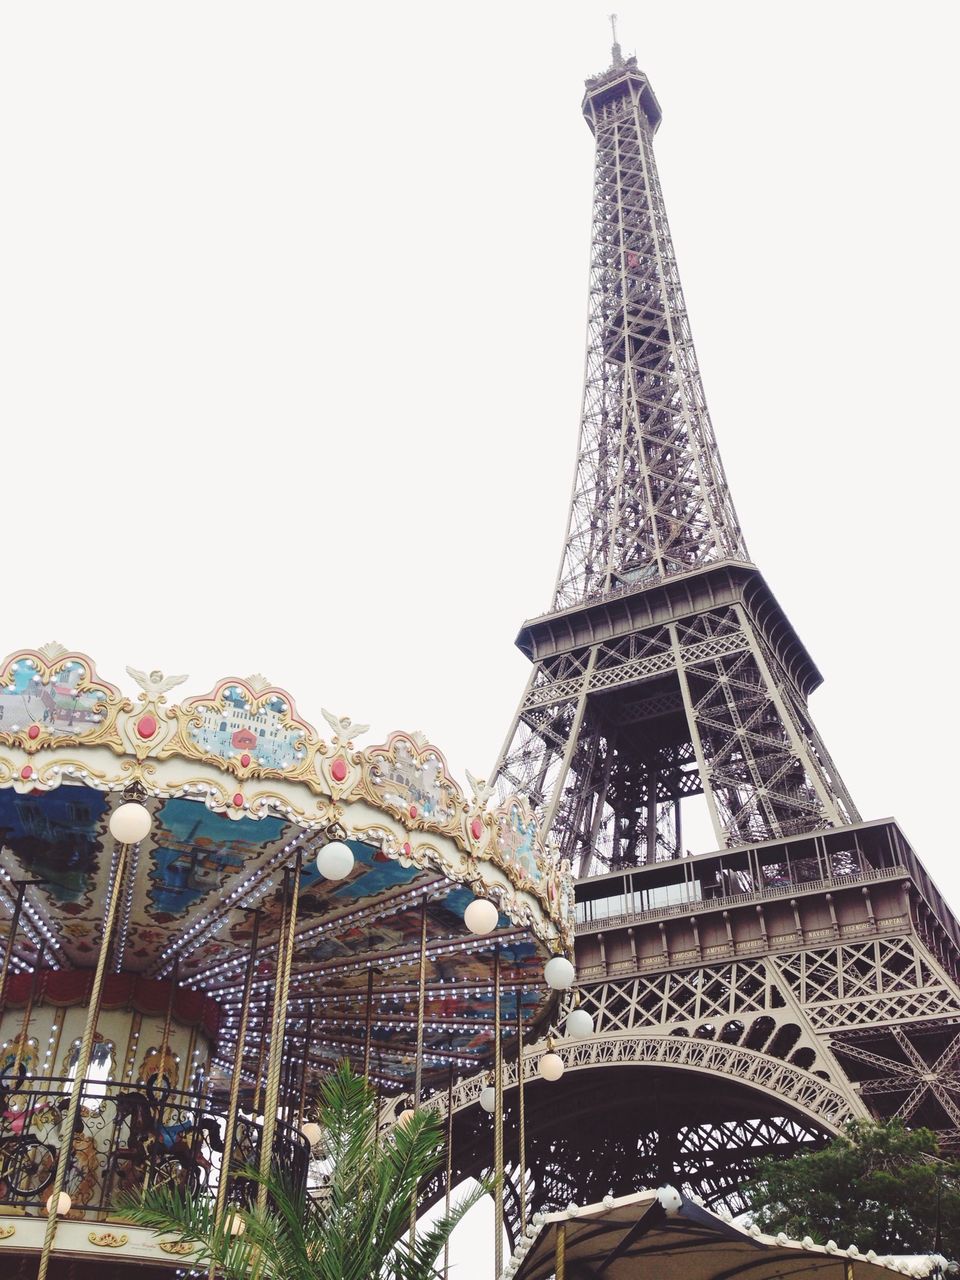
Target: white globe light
[(488, 1099), (235, 1224), (670, 1200), (559, 973), (335, 860), (130, 823), (404, 1118), (551, 1066), (312, 1132), (579, 1024), (64, 1205), (481, 916)]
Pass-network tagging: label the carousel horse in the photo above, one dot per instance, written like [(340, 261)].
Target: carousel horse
[(151, 1138)]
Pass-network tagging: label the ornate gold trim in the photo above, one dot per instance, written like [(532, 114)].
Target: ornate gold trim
[(108, 1239), (84, 707), (180, 1248), (247, 708), (7, 1232)]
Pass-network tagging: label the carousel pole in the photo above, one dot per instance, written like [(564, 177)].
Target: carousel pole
[(418, 1068), (301, 1100), (368, 1028), (11, 939), (379, 1098), (83, 1060), (284, 966), (497, 1122), (22, 886), (28, 1009), (449, 1172), (560, 1256), (233, 1105), (168, 1019), (522, 1117), (270, 1006)]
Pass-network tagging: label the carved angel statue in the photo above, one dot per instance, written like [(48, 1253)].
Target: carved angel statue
[(482, 791), (343, 727), (155, 683)]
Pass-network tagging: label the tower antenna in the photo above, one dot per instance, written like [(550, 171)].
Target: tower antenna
[(617, 54)]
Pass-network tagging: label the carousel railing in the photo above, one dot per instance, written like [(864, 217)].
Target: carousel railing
[(128, 1137)]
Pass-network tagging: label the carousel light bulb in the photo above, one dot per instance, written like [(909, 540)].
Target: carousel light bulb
[(481, 916), (488, 1099), (64, 1205), (579, 1024), (130, 823), (312, 1132), (335, 860), (559, 973), (551, 1066)]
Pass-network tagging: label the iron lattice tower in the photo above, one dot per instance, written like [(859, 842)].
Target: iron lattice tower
[(751, 999), (665, 668)]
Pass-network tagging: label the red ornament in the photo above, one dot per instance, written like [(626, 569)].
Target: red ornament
[(33, 731), (338, 770), (406, 849), (146, 727), (238, 800), (244, 760), (412, 811), (476, 828), (26, 772)]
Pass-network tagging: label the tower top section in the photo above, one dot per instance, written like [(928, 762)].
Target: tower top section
[(622, 79)]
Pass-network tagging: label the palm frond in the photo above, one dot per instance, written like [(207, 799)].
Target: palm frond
[(355, 1230)]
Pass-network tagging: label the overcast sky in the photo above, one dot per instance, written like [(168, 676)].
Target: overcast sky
[(293, 307)]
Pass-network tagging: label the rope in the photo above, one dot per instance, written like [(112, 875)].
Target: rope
[(233, 1103), (418, 1068), (523, 1132), (498, 1121), (276, 1046), (83, 1062)]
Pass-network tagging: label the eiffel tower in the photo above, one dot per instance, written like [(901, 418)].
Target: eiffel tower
[(752, 999)]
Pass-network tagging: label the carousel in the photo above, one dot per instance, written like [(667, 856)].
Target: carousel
[(208, 904)]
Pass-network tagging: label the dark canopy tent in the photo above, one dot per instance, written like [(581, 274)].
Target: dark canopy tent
[(635, 1238)]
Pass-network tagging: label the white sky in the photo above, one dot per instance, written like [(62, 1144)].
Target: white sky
[(292, 310)]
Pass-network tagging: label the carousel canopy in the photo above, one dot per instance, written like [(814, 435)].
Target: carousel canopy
[(239, 786)]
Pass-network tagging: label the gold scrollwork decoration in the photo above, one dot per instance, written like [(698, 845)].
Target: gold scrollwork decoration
[(179, 1248), (7, 1232), (409, 778), (108, 1239)]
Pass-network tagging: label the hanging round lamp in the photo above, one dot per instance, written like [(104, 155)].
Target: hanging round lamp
[(335, 860), (130, 822), (559, 973), (481, 916)]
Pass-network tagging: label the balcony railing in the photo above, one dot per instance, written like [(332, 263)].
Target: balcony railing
[(697, 906), (747, 948)]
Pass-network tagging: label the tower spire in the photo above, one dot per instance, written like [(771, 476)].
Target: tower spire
[(616, 50)]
